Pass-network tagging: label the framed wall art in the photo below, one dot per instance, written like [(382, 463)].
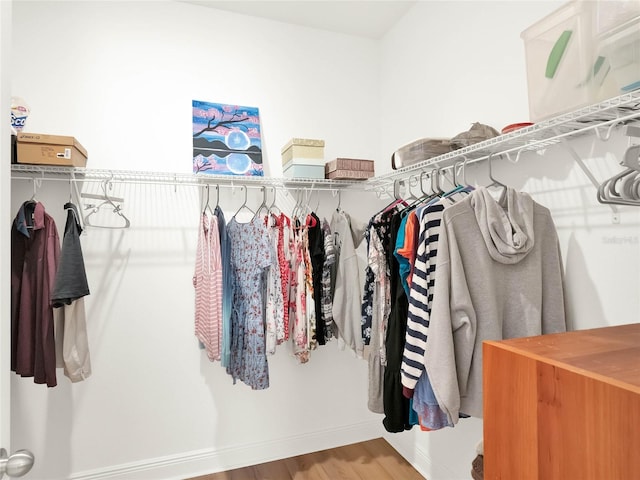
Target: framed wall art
[(226, 139)]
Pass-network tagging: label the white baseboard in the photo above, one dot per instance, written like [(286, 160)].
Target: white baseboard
[(202, 462), (418, 457)]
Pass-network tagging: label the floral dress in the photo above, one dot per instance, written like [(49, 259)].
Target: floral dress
[(299, 321), (274, 314), (251, 254)]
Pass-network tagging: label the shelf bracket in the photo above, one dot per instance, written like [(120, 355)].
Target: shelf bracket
[(615, 213)]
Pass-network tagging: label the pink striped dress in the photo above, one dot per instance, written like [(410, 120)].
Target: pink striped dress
[(207, 281)]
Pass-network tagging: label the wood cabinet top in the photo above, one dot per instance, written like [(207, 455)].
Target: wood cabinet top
[(611, 354)]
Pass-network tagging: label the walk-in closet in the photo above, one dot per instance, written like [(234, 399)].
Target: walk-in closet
[(147, 388)]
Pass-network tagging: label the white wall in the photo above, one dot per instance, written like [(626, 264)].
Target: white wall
[(5, 239), (120, 76), (121, 69), (447, 64)]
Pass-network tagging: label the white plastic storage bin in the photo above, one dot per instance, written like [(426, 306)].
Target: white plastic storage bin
[(618, 49), (608, 15), (559, 56)]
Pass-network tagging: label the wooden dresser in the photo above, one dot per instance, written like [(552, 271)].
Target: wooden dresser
[(563, 406)]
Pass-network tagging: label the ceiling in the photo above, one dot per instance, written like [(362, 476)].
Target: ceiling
[(365, 18)]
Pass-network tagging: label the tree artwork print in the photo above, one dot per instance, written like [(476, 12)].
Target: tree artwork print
[(226, 139)]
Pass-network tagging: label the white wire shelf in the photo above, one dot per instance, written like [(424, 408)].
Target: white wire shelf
[(594, 118), (50, 172), (598, 117)]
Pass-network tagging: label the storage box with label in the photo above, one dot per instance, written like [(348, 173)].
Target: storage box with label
[(306, 150), (349, 169), (42, 149)]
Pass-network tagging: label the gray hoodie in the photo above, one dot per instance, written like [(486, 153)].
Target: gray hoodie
[(347, 299), (498, 276)]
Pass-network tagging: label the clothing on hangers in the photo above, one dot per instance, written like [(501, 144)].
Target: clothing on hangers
[(348, 234), (274, 300), (376, 301), (328, 272), (316, 254), (282, 229), (227, 285), (207, 282), (421, 291), (309, 303), (375, 297), (418, 312), (35, 252), (300, 332), (67, 298), (250, 255), (397, 407), (514, 247)]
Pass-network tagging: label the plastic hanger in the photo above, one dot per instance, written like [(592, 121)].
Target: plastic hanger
[(410, 197), (457, 186), (306, 211), (76, 214), (424, 197), (206, 205), (494, 182), (263, 205), (273, 208), (294, 211), (37, 183), (607, 190), (275, 214), (435, 182), (109, 202), (72, 207), (396, 195), (244, 204), (619, 187)]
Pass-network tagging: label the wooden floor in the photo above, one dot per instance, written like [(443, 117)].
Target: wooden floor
[(371, 460)]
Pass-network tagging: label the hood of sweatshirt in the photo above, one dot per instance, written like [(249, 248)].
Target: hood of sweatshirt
[(506, 224), (356, 228)]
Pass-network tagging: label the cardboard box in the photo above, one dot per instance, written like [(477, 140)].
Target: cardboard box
[(349, 169), (58, 150), (309, 150)]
